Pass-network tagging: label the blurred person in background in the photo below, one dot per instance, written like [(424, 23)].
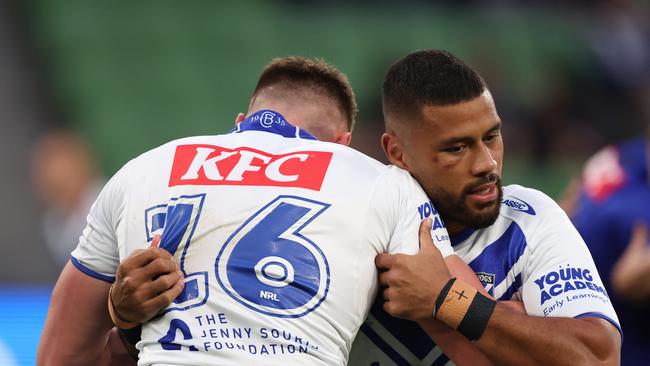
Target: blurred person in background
[(610, 207), (67, 181)]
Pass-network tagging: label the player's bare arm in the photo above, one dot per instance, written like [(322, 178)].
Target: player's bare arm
[(79, 335), (630, 274), (455, 346), (413, 292)]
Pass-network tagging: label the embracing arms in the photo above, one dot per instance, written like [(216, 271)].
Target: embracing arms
[(413, 284)]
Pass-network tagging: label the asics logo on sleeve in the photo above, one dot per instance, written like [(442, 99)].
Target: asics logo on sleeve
[(518, 205), (216, 165)]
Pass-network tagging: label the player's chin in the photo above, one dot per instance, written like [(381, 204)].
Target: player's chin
[(485, 215)]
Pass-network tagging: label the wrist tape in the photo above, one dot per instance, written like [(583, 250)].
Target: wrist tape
[(121, 324), (464, 309)]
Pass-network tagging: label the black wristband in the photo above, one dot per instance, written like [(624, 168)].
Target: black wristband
[(443, 295), (132, 336), (475, 321)]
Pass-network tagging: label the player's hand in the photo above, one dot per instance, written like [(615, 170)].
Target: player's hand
[(146, 282), (413, 282), (631, 271)]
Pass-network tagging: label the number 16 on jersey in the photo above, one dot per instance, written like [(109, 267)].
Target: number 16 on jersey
[(267, 264)]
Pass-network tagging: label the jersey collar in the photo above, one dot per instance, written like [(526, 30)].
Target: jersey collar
[(270, 121), (461, 236)]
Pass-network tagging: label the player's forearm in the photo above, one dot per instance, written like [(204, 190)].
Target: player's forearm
[(62, 352), (458, 348), (515, 339), (77, 325)]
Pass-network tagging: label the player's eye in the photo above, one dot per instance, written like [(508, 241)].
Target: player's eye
[(454, 149), (492, 137)]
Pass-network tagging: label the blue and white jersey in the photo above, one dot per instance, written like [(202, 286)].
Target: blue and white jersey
[(275, 232), (531, 253)]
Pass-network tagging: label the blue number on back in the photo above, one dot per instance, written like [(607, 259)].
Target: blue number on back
[(268, 266), (177, 221), (167, 341)]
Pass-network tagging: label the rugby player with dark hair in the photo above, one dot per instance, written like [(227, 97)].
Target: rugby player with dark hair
[(442, 126)]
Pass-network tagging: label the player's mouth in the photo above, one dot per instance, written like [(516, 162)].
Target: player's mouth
[(485, 193)]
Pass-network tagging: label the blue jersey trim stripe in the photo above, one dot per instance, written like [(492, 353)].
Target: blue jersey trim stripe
[(90, 272), (461, 236), (510, 246), (514, 287), (270, 121), (602, 316), (385, 347)]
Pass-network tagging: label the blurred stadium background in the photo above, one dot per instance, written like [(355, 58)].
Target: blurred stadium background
[(123, 77)]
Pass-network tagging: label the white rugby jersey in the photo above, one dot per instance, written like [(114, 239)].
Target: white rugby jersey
[(276, 234), (531, 253)]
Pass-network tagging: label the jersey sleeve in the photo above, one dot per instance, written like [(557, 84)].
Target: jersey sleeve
[(405, 201), (97, 252), (560, 278)]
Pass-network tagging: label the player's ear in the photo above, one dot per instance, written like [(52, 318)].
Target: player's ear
[(240, 117), (393, 149), (344, 139)]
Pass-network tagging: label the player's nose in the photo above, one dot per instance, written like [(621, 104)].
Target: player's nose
[(484, 162)]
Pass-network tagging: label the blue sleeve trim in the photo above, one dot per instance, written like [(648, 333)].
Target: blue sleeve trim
[(602, 316), (90, 272)]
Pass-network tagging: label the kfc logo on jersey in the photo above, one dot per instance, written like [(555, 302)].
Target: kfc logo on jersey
[(216, 165)]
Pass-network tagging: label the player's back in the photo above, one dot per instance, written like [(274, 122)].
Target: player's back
[(276, 235)]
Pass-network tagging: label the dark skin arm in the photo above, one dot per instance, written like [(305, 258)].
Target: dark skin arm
[(78, 328), (549, 341), (455, 346), (511, 338), (458, 348), (630, 273)]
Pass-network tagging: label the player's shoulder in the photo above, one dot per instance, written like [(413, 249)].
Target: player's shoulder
[(165, 148), (350, 162), (348, 152), (157, 158), (536, 214), (392, 172), (396, 187), (527, 205)]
